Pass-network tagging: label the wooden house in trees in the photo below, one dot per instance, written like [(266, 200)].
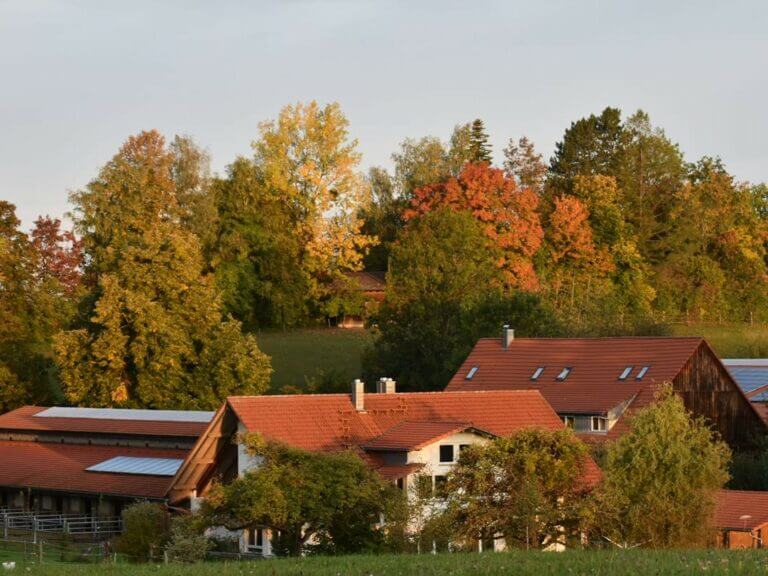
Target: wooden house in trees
[(595, 383), (406, 437)]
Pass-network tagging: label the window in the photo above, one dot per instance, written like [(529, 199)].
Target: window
[(440, 482), (255, 539), (643, 372), (625, 374), (569, 421), (599, 424), (472, 372), (400, 483), (446, 453), (537, 373), (564, 373)]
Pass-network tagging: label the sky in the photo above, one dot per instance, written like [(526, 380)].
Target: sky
[(78, 77)]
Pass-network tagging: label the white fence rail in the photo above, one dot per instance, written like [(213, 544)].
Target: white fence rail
[(12, 521)]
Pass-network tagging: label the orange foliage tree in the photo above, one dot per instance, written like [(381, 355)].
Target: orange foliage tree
[(508, 213)]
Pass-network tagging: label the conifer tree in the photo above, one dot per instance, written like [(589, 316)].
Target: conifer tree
[(480, 150), (153, 333)]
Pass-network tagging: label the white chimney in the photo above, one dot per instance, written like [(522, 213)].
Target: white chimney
[(385, 386), (507, 335), (358, 394)]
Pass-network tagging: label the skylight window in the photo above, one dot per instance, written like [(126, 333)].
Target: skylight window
[(472, 372), (642, 372), (625, 374), (564, 373), (537, 373)]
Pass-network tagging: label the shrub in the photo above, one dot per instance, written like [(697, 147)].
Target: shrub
[(145, 531), (188, 543)]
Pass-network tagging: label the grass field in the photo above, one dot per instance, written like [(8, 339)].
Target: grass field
[(298, 355), (730, 340), (613, 563)]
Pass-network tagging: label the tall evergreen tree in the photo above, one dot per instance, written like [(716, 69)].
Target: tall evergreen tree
[(479, 148), (152, 334)]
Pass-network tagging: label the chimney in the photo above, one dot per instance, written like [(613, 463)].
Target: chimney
[(358, 394), (385, 386), (507, 335)]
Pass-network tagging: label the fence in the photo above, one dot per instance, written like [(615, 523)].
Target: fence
[(27, 526)]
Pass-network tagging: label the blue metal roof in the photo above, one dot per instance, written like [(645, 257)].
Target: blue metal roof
[(750, 375), (142, 466)]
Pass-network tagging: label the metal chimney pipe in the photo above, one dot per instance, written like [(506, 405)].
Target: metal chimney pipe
[(358, 394), (507, 335)]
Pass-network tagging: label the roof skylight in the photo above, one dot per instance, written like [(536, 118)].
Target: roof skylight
[(625, 374), (472, 372), (564, 373), (537, 373), (642, 372)]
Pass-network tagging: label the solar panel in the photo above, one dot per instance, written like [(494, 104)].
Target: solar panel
[(751, 378), (141, 466), (127, 414)]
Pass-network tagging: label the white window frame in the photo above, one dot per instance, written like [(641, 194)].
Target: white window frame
[(571, 419), (256, 532), (602, 425)]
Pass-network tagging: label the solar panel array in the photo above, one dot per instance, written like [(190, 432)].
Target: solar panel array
[(127, 414), (141, 466), (750, 374)]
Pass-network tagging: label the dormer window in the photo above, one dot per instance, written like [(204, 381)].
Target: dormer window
[(625, 374), (472, 372), (563, 374), (537, 373), (643, 372)]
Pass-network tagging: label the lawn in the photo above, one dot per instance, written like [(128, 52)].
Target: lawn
[(299, 355), (613, 563), (730, 340)]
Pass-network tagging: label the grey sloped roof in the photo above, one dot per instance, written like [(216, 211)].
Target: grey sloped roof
[(750, 374)]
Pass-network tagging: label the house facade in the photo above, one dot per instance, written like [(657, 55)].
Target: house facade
[(90, 462), (741, 519), (595, 383), (405, 437)]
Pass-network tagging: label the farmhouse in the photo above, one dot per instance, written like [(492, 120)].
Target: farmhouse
[(89, 461), (403, 436), (369, 287), (594, 383)]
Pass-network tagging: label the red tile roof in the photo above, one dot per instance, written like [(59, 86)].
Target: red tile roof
[(732, 507), (593, 385), (24, 420), (414, 435), (328, 422), (62, 467)]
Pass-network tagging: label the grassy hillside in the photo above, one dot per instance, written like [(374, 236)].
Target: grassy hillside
[(298, 355), (613, 563), (730, 341)]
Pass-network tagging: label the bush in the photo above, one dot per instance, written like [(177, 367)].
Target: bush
[(145, 531), (188, 543)]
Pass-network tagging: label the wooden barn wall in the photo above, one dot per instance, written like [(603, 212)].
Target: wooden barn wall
[(708, 390)]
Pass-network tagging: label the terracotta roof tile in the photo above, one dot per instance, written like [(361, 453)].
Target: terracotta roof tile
[(733, 505), (593, 385), (24, 420), (62, 467)]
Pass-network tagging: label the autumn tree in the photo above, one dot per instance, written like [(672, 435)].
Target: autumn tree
[(307, 159), (444, 291), (527, 488), (479, 148), (662, 477), (152, 334), (383, 218), (334, 499), (508, 215), (257, 255), (524, 164)]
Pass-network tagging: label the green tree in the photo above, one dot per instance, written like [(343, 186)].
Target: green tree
[(524, 164), (257, 255), (383, 218), (479, 148), (590, 146), (299, 495), (444, 290), (152, 333), (145, 531), (527, 488), (661, 478)]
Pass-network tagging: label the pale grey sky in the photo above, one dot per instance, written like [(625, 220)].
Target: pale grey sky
[(77, 77)]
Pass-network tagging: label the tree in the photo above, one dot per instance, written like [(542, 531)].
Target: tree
[(335, 498), (590, 146), (479, 149), (526, 488), (383, 218), (444, 290), (257, 255), (306, 159), (522, 163), (661, 478), (145, 531), (59, 254), (152, 334), (509, 216)]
